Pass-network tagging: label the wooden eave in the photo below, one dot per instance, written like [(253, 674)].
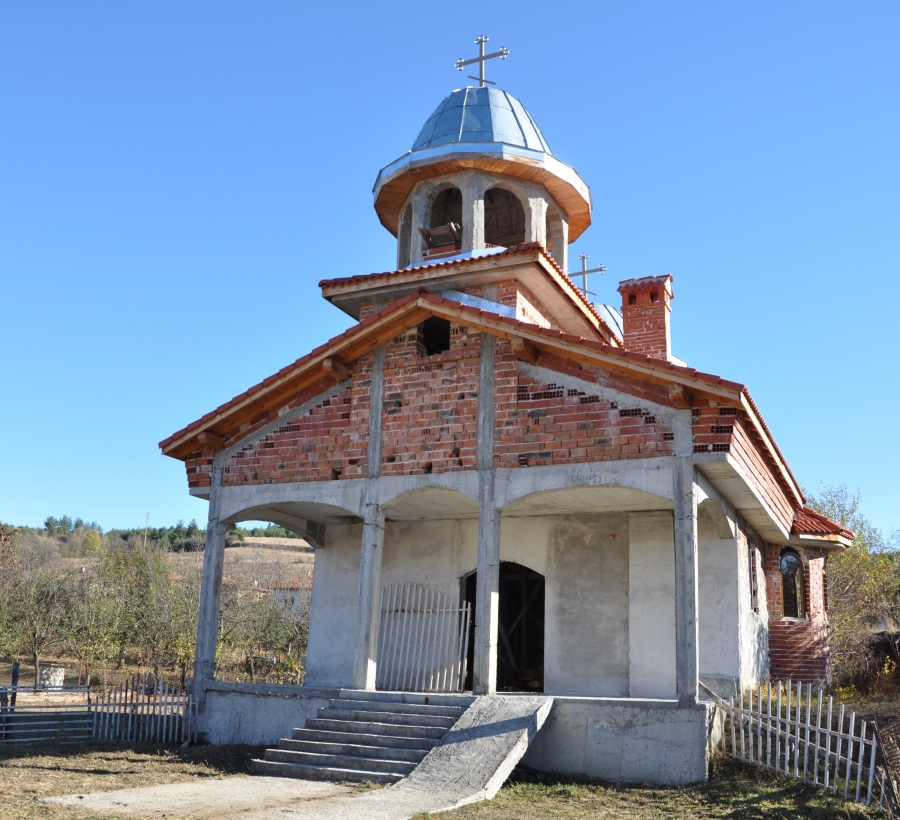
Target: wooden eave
[(392, 195)]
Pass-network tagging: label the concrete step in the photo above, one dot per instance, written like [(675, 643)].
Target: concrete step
[(402, 708), (430, 699), (353, 748), (272, 767), (384, 741), (375, 728), (394, 718), (332, 761)]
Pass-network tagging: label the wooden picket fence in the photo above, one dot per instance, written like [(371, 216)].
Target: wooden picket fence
[(146, 709), (790, 729), (422, 640)]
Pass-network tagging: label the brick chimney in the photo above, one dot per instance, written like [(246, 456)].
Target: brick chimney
[(645, 311)]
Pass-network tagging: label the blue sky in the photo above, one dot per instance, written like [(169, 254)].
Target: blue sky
[(175, 178)]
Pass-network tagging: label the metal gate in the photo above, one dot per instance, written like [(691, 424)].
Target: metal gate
[(422, 640)]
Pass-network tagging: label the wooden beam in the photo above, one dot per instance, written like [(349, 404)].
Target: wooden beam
[(680, 396), (336, 369), (210, 441), (524, 349)]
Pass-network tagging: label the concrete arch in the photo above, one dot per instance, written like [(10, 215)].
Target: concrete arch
[(307, 520), (431, 503), (585, 500), (721, 522), (644, 485)]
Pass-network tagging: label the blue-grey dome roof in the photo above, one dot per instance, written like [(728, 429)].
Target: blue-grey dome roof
[(481, 115)]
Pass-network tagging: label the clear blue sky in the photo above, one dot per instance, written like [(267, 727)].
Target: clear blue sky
[(175, 178)]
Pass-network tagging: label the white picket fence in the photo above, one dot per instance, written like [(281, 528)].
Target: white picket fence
[(422, 640), (791, 729), (146, 709)]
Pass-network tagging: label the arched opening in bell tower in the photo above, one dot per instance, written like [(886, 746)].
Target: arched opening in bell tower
[(447, 208), (504, 218)]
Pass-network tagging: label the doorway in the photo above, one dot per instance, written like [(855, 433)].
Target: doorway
[(520, 636)]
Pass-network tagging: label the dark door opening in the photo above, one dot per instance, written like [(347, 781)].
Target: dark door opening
[(520, 636)]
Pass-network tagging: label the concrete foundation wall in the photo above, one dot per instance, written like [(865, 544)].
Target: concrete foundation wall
[(651, 605), (624, 741), (257, 714)]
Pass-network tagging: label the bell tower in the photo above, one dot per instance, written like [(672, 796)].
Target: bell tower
[(480, 177)]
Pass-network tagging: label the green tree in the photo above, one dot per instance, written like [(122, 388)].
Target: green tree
[(863, 586)]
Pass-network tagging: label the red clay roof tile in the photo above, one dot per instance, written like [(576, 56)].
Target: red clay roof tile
[(809, 522)]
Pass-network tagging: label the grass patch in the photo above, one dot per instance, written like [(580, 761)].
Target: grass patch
[(735, 791), (29, 773)]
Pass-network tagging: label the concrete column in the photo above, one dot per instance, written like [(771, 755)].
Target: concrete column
[(487, 595), (536, 220), (687, 660), (472, 190), (420, 219), (210, 588), (376, 406), (369, 612), (561, 244)]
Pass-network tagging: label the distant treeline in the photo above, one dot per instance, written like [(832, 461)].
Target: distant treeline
[(182, 537)]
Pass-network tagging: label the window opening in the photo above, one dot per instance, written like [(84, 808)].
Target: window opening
[(793, 604), (435, 335)]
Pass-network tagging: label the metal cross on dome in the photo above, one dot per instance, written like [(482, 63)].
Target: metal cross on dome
[(482, 58)]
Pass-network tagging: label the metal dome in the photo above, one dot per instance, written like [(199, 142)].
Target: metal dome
[(481, 115)]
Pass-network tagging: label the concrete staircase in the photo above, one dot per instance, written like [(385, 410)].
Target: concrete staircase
[(365, 736)]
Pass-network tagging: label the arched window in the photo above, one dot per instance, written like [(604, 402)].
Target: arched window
[(793, 605)]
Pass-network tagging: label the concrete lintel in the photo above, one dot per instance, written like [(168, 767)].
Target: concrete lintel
[(651, 475)]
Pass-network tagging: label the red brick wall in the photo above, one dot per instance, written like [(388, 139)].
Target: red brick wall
[(798, 648), (430, 404), (329, 441), (544, 423)]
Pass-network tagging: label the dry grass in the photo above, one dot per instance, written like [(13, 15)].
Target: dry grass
[(736, 792), (29, 774)]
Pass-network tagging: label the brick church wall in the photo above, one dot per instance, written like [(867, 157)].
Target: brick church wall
[(326, 442), (542, 423), (798, 647), (430, 404)]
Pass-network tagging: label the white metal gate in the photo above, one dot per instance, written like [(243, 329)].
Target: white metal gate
[(422, 640)]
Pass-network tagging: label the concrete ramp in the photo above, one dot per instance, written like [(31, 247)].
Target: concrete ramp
[(475, 757)]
